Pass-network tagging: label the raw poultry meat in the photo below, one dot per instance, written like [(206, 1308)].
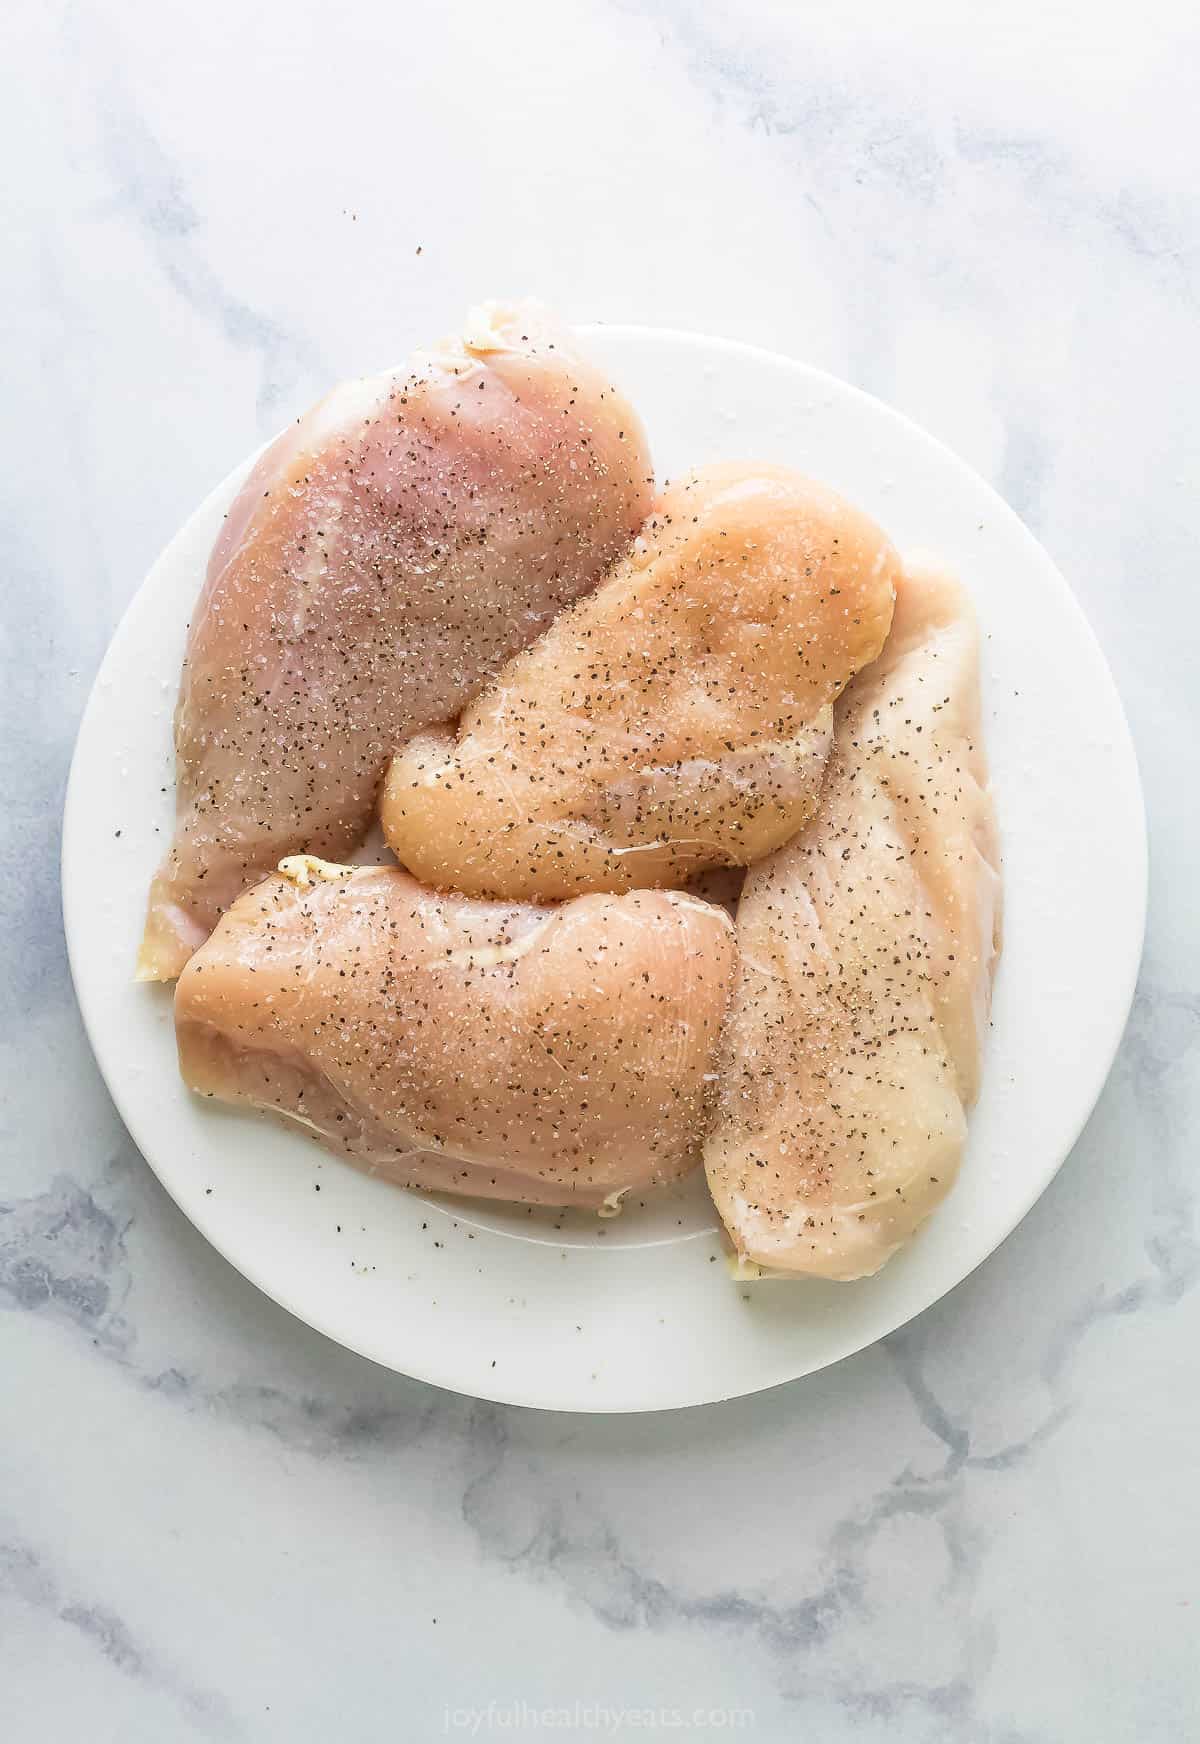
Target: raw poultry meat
[(867, 947), (384, 556), (677, 718), (550, 1055)]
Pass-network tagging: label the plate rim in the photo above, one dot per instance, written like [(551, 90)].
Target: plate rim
[(1120, 1008)]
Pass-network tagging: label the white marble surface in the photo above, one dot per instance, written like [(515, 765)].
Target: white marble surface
[(215, 1525)]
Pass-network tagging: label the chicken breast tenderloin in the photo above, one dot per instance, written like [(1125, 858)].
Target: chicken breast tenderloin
[(384, 556), (677, 718), (867, 950), (552, 1056)]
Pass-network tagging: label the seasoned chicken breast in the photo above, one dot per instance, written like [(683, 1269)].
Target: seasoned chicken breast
[(384, 556), (556, 1056), (677, 718), (867, 948)]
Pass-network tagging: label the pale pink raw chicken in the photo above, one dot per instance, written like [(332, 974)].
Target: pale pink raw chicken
[(677, 718), (383, 558), (560, 1056), (867, 947)]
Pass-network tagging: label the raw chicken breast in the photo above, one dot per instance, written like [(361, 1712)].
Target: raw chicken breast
[(867, 948), (553, 1056), (384, 556), (678, 718)]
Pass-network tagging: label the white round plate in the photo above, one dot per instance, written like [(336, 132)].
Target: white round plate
[(640, 1313)]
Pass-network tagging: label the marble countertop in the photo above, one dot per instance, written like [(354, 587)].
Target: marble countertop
[(216, 1525)]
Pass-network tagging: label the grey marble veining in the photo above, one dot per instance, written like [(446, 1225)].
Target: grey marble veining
[(213, 1523)]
